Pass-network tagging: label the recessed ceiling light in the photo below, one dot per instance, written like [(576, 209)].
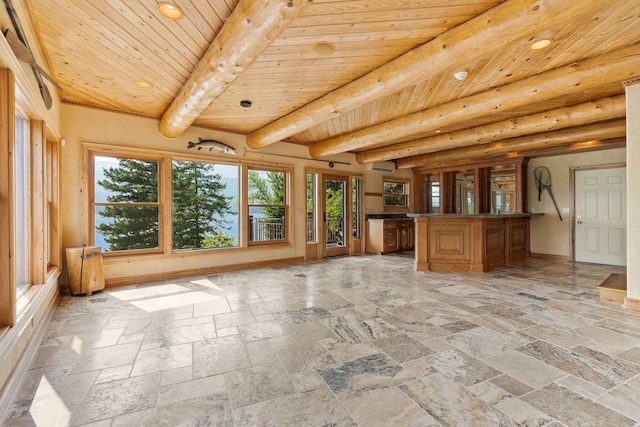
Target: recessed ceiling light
[(323, 48), (144, 85), (540, 44), (245, 104), (170, 10)]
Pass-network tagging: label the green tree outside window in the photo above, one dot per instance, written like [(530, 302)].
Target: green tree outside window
[(128, 208)]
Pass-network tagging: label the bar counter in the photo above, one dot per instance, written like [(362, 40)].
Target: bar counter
[(469, 243)]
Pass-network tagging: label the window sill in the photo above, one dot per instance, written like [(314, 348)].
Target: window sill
[(270, 243), (25, 300)]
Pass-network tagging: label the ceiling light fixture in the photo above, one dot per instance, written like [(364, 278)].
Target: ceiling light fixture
[(460, 75), (323, 48), (540, 44), (245, 104), (144, 85), (170, 10)]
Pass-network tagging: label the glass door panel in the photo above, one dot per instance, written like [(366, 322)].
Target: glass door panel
[(336, 215)]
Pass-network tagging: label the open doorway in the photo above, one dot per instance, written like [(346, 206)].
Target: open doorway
[(336, 214)]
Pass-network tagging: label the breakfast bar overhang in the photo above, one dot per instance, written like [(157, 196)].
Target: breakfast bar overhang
[(469, 243)]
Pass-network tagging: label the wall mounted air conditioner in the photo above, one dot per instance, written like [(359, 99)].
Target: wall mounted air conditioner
[(386, 167)]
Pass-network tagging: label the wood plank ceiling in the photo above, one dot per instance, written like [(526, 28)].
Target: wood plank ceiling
[(387, 91)]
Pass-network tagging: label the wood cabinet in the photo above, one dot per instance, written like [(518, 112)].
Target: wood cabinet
[(389, 235), (405, 231), (474, 243)]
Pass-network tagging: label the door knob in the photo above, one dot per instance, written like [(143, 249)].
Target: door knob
[(579, 222)]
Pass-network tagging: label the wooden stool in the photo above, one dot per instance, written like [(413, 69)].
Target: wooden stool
[(84, 269)]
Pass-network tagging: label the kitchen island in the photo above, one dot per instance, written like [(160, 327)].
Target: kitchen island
[(469, 243)]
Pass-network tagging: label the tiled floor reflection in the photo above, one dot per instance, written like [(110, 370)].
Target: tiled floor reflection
[(349, 341)]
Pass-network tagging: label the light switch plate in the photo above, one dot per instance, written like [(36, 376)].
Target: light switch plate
[(565, 210)]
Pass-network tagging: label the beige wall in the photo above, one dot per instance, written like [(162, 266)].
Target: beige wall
[(633, 201), (85, 125), (549, 235)]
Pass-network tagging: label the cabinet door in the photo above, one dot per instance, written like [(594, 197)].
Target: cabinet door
[(410, 238), (390, 240), (405, 234)]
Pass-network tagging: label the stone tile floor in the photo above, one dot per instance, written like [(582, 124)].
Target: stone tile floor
[(344, 342)]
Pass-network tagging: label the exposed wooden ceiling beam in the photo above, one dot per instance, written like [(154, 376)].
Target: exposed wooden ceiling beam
[(577, 115), (251, 28), (616, 66), (613, 129), (503, 159), (488, 32), (583, 147)]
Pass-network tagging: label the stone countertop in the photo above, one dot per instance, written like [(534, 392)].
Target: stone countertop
[(382, 216), (434, 215)]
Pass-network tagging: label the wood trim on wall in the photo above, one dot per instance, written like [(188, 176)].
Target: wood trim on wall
[(37, 261), (631, 303), (312, 252), (166, 231), (521, 186), (481, 190), (7, 120), (550, 257), (131, 280), (53, 183), (447, 192)]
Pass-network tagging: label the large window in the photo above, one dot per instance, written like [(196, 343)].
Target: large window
[(126, 208), (267, 205), (21, 204), (205, 205), (146, 203)]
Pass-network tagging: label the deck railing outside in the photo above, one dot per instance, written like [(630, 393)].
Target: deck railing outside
[(265, 229)]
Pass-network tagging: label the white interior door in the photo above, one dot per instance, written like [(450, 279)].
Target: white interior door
[(600, 220)]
